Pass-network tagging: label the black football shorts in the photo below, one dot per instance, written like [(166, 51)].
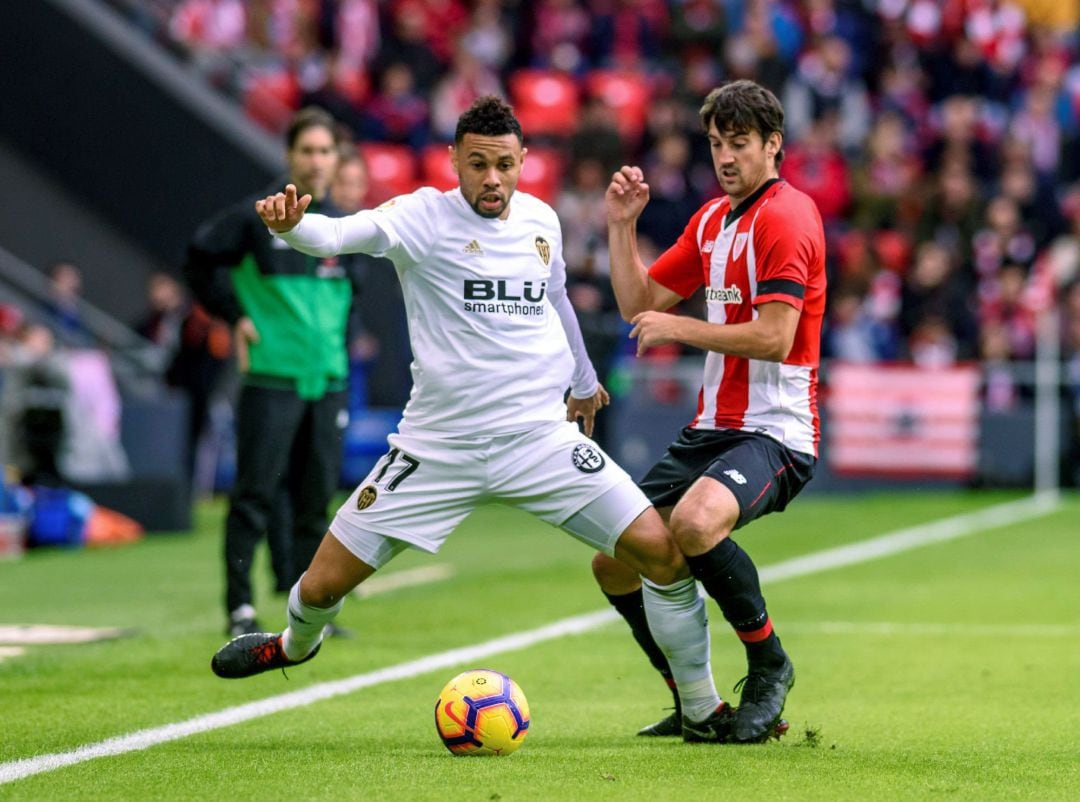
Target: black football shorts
[(763, 474)]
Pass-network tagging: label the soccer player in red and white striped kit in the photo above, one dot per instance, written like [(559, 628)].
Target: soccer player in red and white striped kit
[(759, 251)]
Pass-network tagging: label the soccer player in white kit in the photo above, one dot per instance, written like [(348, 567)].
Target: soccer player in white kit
[(496, 345)]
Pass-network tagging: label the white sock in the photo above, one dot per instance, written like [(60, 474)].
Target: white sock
[(306, 624), (677, 619)]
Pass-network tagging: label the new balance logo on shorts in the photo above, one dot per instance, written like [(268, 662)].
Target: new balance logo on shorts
[(736, 477), (587, 459)]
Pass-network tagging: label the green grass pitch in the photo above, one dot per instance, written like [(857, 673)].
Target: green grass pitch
[(951, 671)]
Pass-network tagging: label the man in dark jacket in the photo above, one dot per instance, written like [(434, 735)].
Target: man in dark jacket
[(289, 314)]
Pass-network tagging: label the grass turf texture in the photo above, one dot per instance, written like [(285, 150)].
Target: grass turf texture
[(979, 706)]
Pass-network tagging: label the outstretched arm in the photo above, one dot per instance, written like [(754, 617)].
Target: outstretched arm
[(316, 234)]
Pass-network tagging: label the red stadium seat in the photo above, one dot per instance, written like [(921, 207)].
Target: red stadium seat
[(391, 170), (542, 174), (626, 94), (545, 102), (271, 97), (436, 169)]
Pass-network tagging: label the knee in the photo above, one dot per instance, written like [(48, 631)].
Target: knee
[(647, 548), (666, 568), (317, 591), (696, 529), (614, 576), (662, 562)]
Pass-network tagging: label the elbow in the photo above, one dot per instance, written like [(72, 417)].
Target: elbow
[(777, 349), (632, 308)]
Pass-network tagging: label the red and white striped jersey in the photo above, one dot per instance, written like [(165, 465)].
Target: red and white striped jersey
[(771, 248)]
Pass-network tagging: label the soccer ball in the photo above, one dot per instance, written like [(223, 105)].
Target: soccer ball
[(482, 712)]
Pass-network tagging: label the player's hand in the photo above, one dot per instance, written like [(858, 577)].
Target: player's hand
[(585, 409), (281, 212), (626, 195), (654, 328), (244, 334)]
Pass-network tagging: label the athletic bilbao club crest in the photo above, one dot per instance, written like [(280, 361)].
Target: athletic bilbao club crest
[(740, 243), (544, 249), (587, 458), (366, 497)]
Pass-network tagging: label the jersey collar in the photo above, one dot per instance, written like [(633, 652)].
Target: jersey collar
[(738, 211)]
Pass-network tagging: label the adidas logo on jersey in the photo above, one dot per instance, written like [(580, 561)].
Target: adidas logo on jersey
[(474, 248)]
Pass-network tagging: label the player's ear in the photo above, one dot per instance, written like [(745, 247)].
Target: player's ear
[(453, 157), (774, 143)]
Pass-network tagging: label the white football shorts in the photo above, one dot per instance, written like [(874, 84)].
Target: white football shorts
[(423, 487)]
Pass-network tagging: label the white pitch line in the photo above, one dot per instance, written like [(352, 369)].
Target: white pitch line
[(38, 634), (423, 575), (144, 739), (875, 548), (905, 539)]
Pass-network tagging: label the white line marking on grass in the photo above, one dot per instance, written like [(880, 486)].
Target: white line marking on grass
[(144, 739), (875, 548), (953, 630), (26, 634), (10, 651), (911, 538), (423, 575)]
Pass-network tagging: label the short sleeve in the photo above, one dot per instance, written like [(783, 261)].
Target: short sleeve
[(786, 244)]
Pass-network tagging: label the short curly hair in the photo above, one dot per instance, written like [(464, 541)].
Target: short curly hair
[(488, 116)]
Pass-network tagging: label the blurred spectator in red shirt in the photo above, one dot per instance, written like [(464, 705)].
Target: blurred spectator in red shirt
[(398, 112), (468, 79), (1002, 303), (816, 166), (560, 34), (626, 34), (442, 21), (212, 31)]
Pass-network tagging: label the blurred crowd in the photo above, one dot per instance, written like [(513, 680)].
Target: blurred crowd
[(940, 139), (59, 402)]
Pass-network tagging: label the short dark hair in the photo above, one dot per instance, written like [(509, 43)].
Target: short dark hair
[(744, 106), (488, 116), (311, 117)]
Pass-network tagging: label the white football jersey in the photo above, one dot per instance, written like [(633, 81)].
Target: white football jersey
[(490, 352)]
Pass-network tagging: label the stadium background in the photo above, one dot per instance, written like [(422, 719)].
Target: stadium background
[(939, 139)]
